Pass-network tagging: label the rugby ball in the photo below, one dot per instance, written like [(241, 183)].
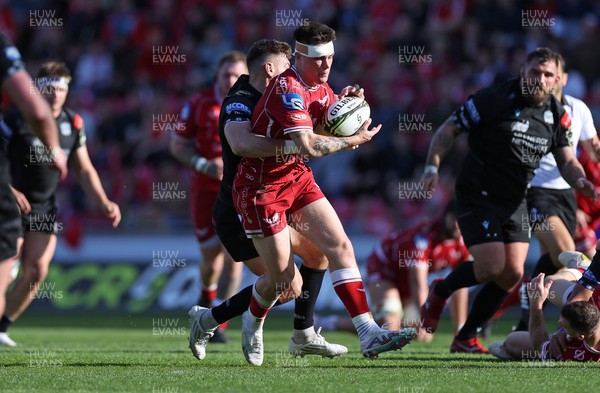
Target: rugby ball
[(344, 117)]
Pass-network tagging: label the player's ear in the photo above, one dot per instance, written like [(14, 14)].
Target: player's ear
[(269, 68), (564, 78)]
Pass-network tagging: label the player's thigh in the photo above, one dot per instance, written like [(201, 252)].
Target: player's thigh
[(37, 250), (324, 228), (559, 293), (515, 253), (518, 345), (311, 256), (555, 237)]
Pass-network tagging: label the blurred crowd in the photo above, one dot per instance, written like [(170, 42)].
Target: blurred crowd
[(417, 60)]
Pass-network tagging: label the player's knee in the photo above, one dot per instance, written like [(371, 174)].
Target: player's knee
[(343, 249), (490, 272)]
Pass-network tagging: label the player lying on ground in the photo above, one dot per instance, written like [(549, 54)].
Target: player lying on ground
[(267, 189), (266, 59), (196, 145), (398, 271), (34, 185), (580, 320)]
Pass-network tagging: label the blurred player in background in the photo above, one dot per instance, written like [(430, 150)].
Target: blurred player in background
[(510, 126), (266, 59), (16, 83), (400, 267), (267, 189), (196, 144), (34, 186), (551, 201)]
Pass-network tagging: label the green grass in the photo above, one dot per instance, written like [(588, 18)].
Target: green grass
[(96, 353)]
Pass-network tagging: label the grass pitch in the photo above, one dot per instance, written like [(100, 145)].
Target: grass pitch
[(107, 353)]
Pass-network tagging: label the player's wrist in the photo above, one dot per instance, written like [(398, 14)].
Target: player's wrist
[(200, 164), (430, 169)]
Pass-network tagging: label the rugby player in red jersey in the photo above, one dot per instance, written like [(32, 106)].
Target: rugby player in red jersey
[(580, 322), (267, 189), (196, 144)]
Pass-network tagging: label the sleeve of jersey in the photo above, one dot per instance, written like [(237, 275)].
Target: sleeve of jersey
[(185, 123), (80, 127), (290, 110), (471, 114), (588, 130), (237, 110), (10, 59), (420, 255)]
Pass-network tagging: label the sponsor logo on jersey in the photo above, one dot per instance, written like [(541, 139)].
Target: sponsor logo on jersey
[(520, 126), (421, 242), (548, 117), (237, 106), (298, 116), (293, 101), (185, 112), (323, 101), (473, 112), (12, 53), (579, 354), (65, 128), (565, 120)]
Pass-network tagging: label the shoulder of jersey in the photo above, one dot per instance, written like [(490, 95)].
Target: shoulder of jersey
[(77, 119)]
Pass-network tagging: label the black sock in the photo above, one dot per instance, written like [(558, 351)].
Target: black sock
[(305, 303), (543, 265), (486, 303), (461, 277), (235, 305), (5, 322)]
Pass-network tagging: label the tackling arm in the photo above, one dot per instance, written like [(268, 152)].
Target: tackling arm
[(592, 148), (572, 171), (244, 143)]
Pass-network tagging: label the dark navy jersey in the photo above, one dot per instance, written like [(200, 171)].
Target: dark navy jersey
[(10, 61), (237, 106), (10, 58), (30, 165), (507, 138)]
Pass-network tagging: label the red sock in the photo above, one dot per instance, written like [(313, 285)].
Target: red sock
[(207, 296), (350, 289), (259, 307), (223, 326)]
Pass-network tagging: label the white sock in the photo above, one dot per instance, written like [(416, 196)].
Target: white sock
[(208, 322), (364, 324), (304, 335)]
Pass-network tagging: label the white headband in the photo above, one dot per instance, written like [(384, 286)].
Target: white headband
[(314, 50), (55, 82)]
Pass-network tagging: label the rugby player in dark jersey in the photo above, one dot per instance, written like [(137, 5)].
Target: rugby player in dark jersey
[(266, 59), (16, 83), (510, 127), (34, 184)]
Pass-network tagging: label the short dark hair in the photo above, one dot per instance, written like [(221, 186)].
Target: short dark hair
[(313, 33), (582, 316), (544, 54), (231, 57), (260, 50), (54, 69)]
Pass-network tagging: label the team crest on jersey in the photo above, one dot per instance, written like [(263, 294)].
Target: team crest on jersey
[(293, 101), (548, 117), (520, 126), (185, 112), (65, 128)]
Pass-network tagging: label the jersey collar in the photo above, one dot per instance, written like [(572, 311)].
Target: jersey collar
[(295, 70)]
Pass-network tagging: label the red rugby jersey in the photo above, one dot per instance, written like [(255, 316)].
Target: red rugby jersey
[(288, 105)]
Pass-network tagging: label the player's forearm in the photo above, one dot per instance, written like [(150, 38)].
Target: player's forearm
[(316, 146), (184, 152), (244, 143), (537, 328), (441, 143), (572, 171), (92, 186), (418, 285), (592, 148)]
